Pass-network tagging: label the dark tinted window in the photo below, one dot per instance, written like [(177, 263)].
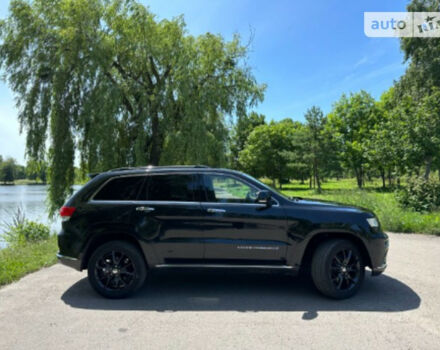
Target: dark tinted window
[(121, 189), (171, 188)]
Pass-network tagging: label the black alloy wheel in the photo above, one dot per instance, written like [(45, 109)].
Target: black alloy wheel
[(338, 268), (116, 269)]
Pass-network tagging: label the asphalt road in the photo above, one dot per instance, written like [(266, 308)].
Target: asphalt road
[(56, 308)]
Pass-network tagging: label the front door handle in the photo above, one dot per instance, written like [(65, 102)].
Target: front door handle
[(145, 209), (215, 210)]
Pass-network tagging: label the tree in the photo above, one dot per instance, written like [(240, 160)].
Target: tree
[(425, 134), (36, 170), (350, 123), (420, 85), (317, 145), (422, 53), (107, 79), (241, 131), (297, 155), (265, 151), (385, 149), (7, 170)]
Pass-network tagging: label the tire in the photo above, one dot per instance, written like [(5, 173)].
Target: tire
[(336, 272), (116, 269)]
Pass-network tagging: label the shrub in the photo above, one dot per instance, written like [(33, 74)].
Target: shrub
[(21, 230), (420, 194)]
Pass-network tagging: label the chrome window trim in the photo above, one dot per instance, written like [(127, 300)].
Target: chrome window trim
[(100, 201)]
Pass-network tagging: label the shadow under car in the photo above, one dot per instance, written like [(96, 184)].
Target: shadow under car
[(181, 290)]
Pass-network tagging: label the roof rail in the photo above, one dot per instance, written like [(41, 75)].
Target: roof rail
[(159, 166)]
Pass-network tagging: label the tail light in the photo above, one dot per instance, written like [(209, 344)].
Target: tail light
[(66, 213)]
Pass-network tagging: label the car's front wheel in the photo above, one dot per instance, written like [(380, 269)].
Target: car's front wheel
[(116, 269), (338, 269)]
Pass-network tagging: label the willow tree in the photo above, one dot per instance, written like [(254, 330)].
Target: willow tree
[(107, 81)]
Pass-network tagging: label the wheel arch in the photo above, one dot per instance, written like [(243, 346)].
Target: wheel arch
[(98, 240), (321, 237)]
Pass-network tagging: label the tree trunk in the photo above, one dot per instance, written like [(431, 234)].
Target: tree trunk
[(316, 175), (428, 168), (157, 139), (382, 175), (358, 173), (390, 179)]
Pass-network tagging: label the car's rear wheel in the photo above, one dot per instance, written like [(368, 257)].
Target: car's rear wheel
[(116, 269), (338, 269)]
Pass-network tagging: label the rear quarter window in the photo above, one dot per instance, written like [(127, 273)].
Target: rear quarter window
[(125, 188)]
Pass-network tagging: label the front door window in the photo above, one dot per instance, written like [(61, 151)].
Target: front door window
[(227, 189)]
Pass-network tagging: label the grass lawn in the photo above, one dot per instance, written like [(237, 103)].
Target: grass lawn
[(17, 261), (382, 202)]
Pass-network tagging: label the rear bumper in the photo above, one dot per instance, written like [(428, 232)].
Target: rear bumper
[(69, 261)]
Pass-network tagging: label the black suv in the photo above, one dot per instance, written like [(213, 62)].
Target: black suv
[(126, 221)]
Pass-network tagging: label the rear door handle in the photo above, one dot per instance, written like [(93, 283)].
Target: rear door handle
[(145, 209), (215, 210)]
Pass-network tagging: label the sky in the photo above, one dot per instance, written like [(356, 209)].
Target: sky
[(307, 52)]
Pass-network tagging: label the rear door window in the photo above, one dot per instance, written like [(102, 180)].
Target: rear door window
[(126, 188), (172, 187)]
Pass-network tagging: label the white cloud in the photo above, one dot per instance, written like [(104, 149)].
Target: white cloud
[(361, 62)]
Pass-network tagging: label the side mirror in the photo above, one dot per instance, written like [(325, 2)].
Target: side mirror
[(264, 197)]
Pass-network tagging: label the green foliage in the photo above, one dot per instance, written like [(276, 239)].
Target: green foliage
[(7, 170), (23, 231), (109, 80), (265, 152), (240, 133), (322, 153), (36, 170), (27, 232), (420, 194), (350, 123)]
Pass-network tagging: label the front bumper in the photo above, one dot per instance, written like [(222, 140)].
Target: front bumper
[(378, 270), (69, 261), (378, 253)]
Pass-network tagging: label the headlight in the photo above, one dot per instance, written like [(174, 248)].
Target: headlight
[(373, 222)]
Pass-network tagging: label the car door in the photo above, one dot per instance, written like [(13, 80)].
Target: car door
[(169, 214), (237, 228)]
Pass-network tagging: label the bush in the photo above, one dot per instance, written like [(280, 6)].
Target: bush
[(420, 194), (27, 232), (22, 231)]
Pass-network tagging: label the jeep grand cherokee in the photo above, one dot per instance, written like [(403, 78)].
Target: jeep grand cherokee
[(127, 221)]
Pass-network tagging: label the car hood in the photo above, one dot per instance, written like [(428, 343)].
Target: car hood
[(328, 205)]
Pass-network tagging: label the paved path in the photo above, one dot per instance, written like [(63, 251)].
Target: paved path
[(56, 309)]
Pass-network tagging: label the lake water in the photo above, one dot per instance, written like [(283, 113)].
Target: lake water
[(31, 198)]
